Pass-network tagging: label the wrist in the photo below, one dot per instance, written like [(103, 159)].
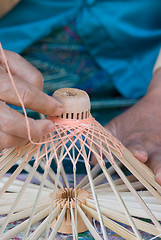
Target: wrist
[(155, 84)]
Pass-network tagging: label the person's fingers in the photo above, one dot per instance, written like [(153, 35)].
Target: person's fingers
[(112, 128), (22, 68), (138, 150), (8, 141), (154, 162), (13, 123), (32, 97)]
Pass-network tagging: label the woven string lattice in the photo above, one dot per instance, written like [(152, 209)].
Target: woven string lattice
[(122, 195)]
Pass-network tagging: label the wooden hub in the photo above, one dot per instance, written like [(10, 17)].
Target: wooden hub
[(76, 103), (67, 196)]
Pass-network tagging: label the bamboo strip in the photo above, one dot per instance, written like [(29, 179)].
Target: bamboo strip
[(13, 176), (111, 224), (88, 224), (101, 177), (7, 153), (19, 228), (63, 174), (143, 169), (58, 223), (94, 193), (31, 174), (117, 182), (74, 226), (119, 217), (51, 174), (109, 179), (139, 176), (129, 197), (140, 200), (12, 159), (24, 214), (6, 158), (43, 181), (76, 212), (54, 190), (75, 230), (38, 176), (137, 212), (95, 170), (41, 228)]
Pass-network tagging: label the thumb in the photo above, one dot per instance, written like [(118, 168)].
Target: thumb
[(138, 149)]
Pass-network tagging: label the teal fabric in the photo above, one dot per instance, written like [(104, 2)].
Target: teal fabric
[(31, 20), (123, 36)]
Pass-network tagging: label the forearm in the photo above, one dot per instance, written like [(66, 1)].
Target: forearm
[(155, 84)]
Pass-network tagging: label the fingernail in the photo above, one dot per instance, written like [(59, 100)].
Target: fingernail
[(58, 111), (140, 155)]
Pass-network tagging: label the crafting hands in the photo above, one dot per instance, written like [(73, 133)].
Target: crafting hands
[(29, 83), (139, 128)]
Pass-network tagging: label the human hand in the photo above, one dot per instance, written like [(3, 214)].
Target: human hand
[(29, 83), (139, 128)]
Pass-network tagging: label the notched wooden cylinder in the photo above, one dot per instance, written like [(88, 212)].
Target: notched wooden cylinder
[(67, 196), (76, 103)]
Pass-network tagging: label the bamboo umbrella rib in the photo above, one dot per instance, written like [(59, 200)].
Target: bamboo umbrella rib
[(88, 224), (74, 226), (12, 159), (51, 173), (24, 213), (37, 197), (19, 183), (111, 224), (12, 177), (138, 175), (132, 189), (39, 177), (19, 228), (63, 174), (28, 200), (109, 179), (118, 182), (119, 217), (137, 196), (6, 158), (7, 153), (129, 197), (41, 228), (52, 202), (58, 223), (30, 176), (137, 212), (8, 165), (75, 199), (94, 193), (95, 170), (101, 177), (133, 205), (145, 170)]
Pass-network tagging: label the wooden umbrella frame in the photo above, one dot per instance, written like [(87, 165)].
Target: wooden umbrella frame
[(128, 199)]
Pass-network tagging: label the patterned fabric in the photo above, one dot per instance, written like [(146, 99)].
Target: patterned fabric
[(65, 62), (82, 236), (122, 36)]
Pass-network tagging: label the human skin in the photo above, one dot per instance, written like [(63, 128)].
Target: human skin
[(139, 128), (29, 83)]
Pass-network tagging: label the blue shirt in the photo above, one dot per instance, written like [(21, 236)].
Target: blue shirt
[(123, 36)]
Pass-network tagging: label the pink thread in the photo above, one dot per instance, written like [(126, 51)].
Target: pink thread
[(69, 130)]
